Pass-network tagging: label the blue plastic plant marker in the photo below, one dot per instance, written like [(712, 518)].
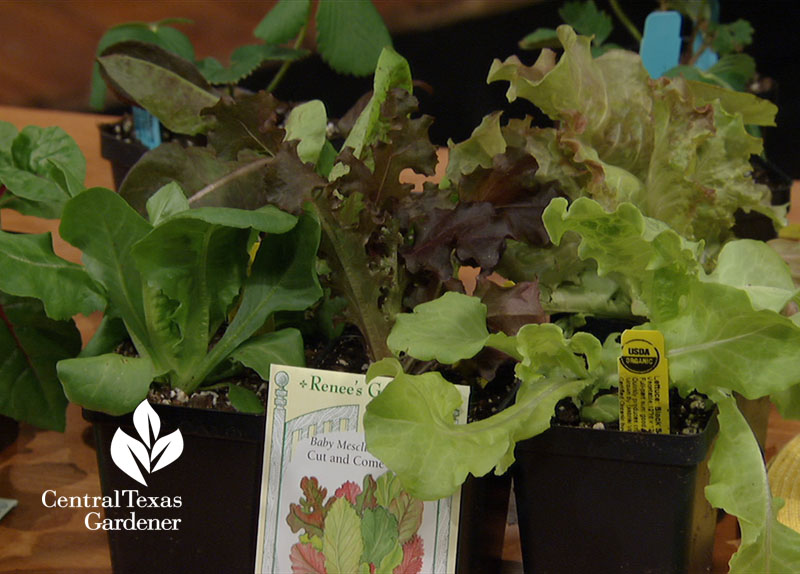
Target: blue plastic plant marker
[(661, 43), (147, 127), (708, 58)]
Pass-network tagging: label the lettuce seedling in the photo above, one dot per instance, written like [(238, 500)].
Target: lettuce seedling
[(178, 280), (180, 284), (676, 149), (724, 333), (375, 230)]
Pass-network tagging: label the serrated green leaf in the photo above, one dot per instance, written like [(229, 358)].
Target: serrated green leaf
[(378, 533), (351, 35), (284, 347), (30, 346), (732, 37), (174, 100), (244, 400), (648, 245), (284, 21), (110, 383), (244, 61), (587, 20), (30, 268), (341, 544)]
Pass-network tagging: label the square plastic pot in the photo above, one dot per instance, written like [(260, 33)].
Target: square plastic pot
[(218, 480), (9, 430), (122, 154), (605, 501), (482, 523)]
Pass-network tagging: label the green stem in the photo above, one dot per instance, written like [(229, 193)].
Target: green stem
[(622, 17), (285, 66)]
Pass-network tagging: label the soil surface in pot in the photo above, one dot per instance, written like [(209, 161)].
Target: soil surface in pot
[(124, 131), (348, 354), (345, 353), (687, 415)]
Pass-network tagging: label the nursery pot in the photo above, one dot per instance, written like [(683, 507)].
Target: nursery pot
[(217, 479), (123, 153), (482, 523), (605, 501), (9, 430)]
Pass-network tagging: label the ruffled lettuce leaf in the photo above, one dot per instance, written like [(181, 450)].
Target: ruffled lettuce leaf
[(739, 485), (678, 152), (411, 426), (713, 324)]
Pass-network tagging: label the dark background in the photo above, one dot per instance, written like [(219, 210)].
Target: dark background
[(454, 61)]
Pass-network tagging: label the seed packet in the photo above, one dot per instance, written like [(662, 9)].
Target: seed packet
[(327, 504)]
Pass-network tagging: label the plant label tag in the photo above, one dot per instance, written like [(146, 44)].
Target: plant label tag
[(147, 127), (643, 383), (661, 42), (327, 504)]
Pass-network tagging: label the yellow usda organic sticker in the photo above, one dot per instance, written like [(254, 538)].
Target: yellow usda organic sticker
[(643, 383)]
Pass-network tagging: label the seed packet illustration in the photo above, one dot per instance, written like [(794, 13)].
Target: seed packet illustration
[(327, 504)]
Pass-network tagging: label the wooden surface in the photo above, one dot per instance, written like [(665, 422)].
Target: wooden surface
[(48, 46), (35, 539)]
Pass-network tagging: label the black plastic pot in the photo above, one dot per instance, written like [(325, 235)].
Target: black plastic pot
[(605, 501), (482, 523), (123, 153), (9, 430), (218, 480)]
